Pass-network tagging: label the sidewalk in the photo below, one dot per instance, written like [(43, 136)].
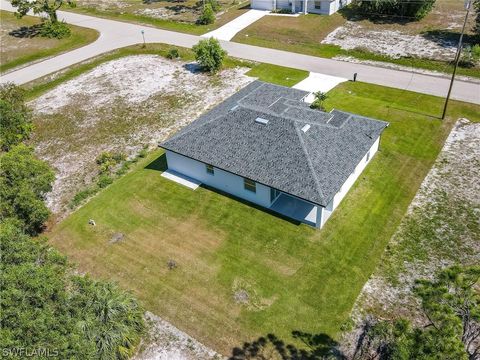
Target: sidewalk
[(229, 30)]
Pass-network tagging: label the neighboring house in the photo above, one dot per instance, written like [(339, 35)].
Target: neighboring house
[(325, 7), (265, 145)]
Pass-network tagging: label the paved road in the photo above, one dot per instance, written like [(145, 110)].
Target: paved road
[(116, 34)]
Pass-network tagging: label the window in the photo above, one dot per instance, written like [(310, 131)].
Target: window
[(209, 169), (368, 156), (318, 5), (249, 185)]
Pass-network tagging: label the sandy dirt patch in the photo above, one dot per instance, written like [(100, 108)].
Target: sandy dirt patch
[(166, 342), (393, 43), (441, 228), (120, 106)]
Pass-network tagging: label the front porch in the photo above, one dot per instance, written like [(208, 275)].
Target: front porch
[(297, 209)]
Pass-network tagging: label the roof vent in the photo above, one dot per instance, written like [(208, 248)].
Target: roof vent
[(234, 108), (262, 121), (305, 128)]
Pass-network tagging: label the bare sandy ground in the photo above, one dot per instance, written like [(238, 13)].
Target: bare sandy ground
[(393, 43), (168, 343)]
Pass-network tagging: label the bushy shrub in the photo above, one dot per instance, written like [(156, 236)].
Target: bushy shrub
[(216, 7), (173, 54), (282, 11), (57, 30), (82, 196), (143, 153), (107, 160), (104, 180), (207, 16), (209, 54)]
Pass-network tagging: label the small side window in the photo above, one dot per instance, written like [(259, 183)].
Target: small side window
[(210, 169), (368, 156), (318, 5), (249, 185)]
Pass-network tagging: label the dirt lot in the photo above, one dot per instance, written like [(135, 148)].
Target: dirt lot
[(121, 105), (434, 37), (441, 228), (178, 10)]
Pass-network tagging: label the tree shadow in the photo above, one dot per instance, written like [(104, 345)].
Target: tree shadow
[(318, 346), (26, 31), (178, 9), (444, 38), (355, 13), (194, 68)]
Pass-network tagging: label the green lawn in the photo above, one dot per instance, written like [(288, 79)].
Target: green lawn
[(298, 278), (16, 51)]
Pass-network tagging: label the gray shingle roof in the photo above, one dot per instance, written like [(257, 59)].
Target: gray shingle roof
[(312, 165)]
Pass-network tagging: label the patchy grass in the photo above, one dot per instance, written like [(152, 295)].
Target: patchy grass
[(305, 33), (22, 49), (266, 72), (303, 279), (162, 14), (441, 228)]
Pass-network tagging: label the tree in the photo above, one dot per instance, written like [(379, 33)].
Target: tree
[(476, 8), (400, 8), (112, 318), (320, 97), (209, 54), (207, 16), (44, 306), (24, 183), (385, 340), (451, 303), (15, 117), (48, 7)]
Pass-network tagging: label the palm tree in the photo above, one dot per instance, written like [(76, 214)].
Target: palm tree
[(114, 321)]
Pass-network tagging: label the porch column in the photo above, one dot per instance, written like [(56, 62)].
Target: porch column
[(318, 222), (274, 5), (293, 6), (305, 5)]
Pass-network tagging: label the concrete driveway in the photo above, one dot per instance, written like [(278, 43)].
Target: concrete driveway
[(117, 34), (229, 30), (318, 82)]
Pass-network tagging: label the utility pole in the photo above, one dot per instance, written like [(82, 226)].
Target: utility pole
[(468, 4)]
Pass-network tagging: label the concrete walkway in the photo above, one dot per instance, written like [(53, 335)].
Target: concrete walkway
[(116, 34), (318, 82), (229, 30)]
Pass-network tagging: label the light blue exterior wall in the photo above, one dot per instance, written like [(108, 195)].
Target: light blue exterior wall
[(222, 180)]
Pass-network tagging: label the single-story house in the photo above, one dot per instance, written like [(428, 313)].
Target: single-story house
[(265, 145), (325, 7)]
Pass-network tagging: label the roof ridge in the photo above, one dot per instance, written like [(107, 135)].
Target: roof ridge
[(309, 161)]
